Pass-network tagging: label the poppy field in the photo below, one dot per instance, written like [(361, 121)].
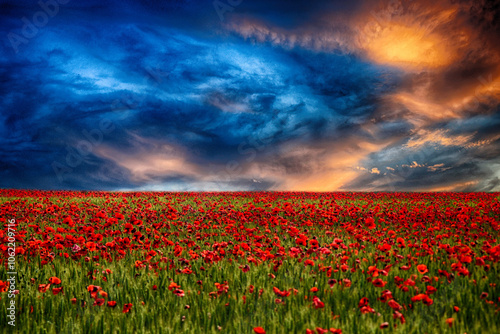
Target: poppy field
[(250, 262)]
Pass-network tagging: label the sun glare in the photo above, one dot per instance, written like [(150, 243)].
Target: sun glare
[(406, 46)]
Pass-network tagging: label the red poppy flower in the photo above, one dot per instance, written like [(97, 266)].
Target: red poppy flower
[(456, 309), (363, 302), (422, 297), (313, 243), (394, 305), (335, 331), (43, 288), (384, 325), (422, 268), (401, 242), (173, 286), (409, 282), (366, 309), (179, 292), (68, 221), (93, 288), (56, 291), (4, 286), (314, 289), (98, 302), (318, 303), (186, 271), (426, 279), (111, 303), (400, 316), (309, 263), (259, 330), (370, 223), (386, 295), (384, 247), (449, 321), (430, 290), (280, 293), (373, 271), (54, 280), (127, 307), (379, 283), (428, 301)]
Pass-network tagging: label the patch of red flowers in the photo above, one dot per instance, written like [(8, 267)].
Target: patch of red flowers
[(412, 244)]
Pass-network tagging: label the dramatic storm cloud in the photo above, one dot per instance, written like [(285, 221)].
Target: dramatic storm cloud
[(250, 95)]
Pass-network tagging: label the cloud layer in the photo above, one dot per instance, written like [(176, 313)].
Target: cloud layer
[(182, 95)]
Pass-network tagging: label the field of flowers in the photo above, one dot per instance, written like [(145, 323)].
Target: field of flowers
[(252, 262)]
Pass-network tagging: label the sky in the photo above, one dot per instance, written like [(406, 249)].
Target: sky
[(223, 95)]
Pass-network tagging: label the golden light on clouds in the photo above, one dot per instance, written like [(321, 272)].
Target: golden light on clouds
[(150, 160), (440, 137), (329, 173), (401, 45), (422, 109), (340, 167), (411, 37), (457, 186)]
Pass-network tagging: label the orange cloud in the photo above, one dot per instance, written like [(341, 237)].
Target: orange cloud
[(339, 166), (483, 142), (428, 99), (150, 160), (440, 137), (407, 46), (482, 90), (412, 35), (458, 186)]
